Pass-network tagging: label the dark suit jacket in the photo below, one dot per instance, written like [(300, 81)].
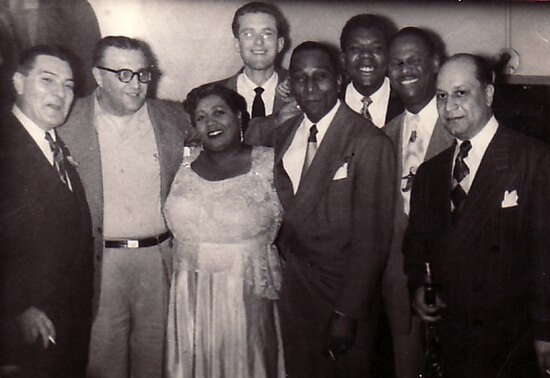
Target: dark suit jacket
[(493, 265), (46, 253), (394, 287), (171, 127), (260, 130), (340, 229)]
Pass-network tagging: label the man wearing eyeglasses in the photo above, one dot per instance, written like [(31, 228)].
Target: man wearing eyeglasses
[(128, 149), (259, 30)]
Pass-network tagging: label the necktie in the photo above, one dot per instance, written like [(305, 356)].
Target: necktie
[(58, 159), (311, 149), (365, 109), (258, 106), (413, 155), (460, 171)]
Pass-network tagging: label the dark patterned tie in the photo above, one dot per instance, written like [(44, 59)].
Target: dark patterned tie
[(258, 106), (311, 149), (365, 109), (58, 159), (461, 170)]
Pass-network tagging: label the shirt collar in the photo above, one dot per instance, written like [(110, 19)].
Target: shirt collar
[(269, 85), (323, 124), (32, 128), (427, 118), (481, 140), (355, 99)]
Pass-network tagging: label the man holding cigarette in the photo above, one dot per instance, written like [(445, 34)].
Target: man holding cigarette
[(45, 228)]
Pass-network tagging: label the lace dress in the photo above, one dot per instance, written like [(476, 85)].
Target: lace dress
[(223, 319)]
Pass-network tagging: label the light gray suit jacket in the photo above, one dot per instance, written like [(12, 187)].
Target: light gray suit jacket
[(394, 286), (171, 126)]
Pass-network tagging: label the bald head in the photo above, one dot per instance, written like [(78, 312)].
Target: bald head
[(464, 96)]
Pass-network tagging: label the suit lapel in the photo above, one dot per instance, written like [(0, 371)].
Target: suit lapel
[(326, 162), (395, 106), (282, 180), (439, 141), (488, 187)]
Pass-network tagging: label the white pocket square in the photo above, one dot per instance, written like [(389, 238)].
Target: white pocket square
[(510, 199), (341, 173)]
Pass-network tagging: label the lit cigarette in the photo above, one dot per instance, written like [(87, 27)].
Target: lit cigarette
[(52, 340)]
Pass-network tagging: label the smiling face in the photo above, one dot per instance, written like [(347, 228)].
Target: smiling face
[(45, 94), (463, 103), (218, 125), (365, 58), (314, 82), (116, 97), (258, 42), (412, 69)]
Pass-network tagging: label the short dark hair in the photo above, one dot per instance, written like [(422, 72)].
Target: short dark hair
[(484, 72), (319, 46), (125, 43), (235, 101), (367, 21), (259, 7), (29, 56), (424, 35)]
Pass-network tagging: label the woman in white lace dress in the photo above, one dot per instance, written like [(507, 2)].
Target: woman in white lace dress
[(224, 213)]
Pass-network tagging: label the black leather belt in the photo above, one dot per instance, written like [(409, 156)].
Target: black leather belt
[(137, 243)]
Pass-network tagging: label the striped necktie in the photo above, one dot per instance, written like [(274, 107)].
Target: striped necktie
[(461, 170), (365, 109), (58, 159)]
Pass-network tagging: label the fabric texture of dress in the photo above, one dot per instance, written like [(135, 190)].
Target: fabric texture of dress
[(223, 320)]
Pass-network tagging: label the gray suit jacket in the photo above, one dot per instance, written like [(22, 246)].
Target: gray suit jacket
[(339, 229), (170, 124), (396, 294)]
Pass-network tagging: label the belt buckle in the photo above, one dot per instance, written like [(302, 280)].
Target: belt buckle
[(132, 243)]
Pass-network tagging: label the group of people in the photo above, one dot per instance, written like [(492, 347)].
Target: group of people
[(265, 227)]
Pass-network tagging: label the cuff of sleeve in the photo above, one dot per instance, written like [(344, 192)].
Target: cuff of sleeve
[(541, 330)]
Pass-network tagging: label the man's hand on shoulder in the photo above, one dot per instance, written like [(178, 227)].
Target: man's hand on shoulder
[(292, 109), (33, 322)]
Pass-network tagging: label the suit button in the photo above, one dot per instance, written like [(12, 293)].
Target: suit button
[(495, 248), (477, 287), (477, 322), (99, 230), (98, 258)]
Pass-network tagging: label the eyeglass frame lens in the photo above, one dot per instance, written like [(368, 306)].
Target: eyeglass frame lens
[(125, 71)]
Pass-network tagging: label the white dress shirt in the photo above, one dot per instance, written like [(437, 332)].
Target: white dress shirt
[(245, 87), (379, 106), (37, 134), (293, 159), (423, 125), (480, 142)]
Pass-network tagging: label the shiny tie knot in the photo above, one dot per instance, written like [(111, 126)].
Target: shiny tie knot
[(258, 106), (365, 109)]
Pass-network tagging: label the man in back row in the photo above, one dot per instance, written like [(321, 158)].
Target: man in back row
[(260, 31), (128, 149), (417, 136), (364, 44)]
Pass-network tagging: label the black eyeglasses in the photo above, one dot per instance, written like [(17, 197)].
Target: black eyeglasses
[(126, 75)]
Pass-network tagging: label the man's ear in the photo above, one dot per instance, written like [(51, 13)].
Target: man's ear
[(436, 63), (97, 77), (489, 94), (18, 82), (280, 44), (342, 57), (236, 45)]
